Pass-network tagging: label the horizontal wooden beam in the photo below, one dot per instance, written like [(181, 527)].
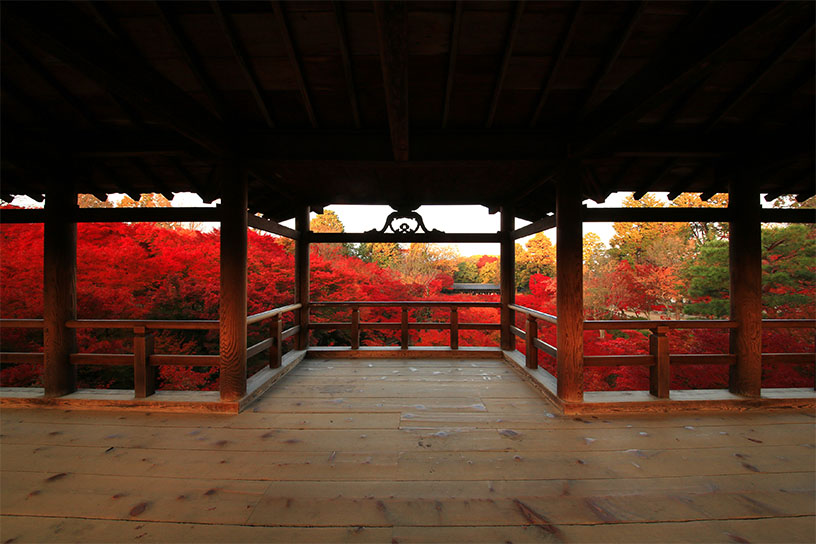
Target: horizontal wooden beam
[(22, 216), (635, 324), (146, 215), (788, 215), (661, 215), (682, 215), (431, 237), (535, 227), (619, 360), (267, 225), (400, 303), (10, 357)]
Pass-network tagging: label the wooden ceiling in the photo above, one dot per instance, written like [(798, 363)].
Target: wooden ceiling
[(407, 103)]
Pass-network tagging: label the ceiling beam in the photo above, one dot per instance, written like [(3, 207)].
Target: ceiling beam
[(294, 60), (242, 58), (456, 28), (561, 53), (38, 68), (790, 41), (392, 32), (183, 43), (535, 227), (68, 35), (635, 11), (342, 35), (692, 54), (508, 53)]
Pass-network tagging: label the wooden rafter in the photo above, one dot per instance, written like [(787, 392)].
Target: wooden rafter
[(191, 179), (342, 36), (68, 35), (456, 28), (294, 60), (508, 53), (619, 177), (392, 31), (242, 58), (193, 60), (592, 187), (697, 51), (682, 184), (561, 53), (635, 11), (151, 176), (38, 68), (791, 40), (644, 188), (118, 181)]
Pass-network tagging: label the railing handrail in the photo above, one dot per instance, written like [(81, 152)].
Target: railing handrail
[(789, 323), (255, 318), (22, 323), (631, 324), (152, 324), (549, 318), (406, 303)]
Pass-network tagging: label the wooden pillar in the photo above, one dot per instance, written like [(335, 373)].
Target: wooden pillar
[(59, 291), (745, 263), (531, 333), (404, 340), (659, 374), (144, 375), (454, 327), (302, 275), (570, 295), (276, 349), (507, 274), (355, 327), (233, 306)]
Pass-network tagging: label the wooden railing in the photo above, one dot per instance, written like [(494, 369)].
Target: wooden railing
[(21, 357), (530, 334), (404, 325), (276, 333), (658, 359), (145, 362)]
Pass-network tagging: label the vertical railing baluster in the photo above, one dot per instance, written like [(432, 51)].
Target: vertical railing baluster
[(404, 338), (531, 334), (659, 374), (144, 375), (276, 349), (454, 327), (355, 327)]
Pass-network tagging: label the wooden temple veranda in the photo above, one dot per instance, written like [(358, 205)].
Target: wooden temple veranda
[(527, 108)]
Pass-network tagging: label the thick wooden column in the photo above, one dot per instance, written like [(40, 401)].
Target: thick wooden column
[(59, 291), (507, 274), (570, 285), (302, 275), (233, 307), (745, 262)]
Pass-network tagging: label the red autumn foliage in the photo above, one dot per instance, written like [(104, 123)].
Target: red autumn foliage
[(144, 271)]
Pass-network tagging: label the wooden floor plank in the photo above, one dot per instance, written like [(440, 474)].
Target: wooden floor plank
[(339, 465), (409, 450), (377, 440)]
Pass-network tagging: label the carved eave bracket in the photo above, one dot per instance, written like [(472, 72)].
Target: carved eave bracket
[(399, 222)]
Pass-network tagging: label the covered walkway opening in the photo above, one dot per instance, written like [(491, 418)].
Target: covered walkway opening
[(527, 108)]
